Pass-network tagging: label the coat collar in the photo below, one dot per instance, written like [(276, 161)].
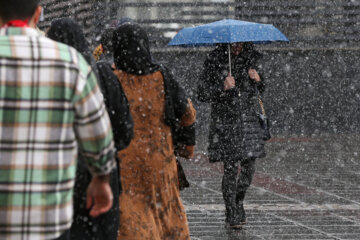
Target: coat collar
[(16, 31)]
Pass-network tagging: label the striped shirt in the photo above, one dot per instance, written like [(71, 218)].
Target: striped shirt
[(51, 110)]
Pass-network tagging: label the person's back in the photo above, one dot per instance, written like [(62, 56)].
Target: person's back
[(50, 106), (68, 31), (150, 204)]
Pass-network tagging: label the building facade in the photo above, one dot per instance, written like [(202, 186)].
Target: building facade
[(313, 81)]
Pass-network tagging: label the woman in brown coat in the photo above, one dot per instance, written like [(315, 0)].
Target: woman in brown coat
[(150, 204)]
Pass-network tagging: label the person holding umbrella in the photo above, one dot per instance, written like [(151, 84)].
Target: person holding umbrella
[(230, 82), (236, 137)]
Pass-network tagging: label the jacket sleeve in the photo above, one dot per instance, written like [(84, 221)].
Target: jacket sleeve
[(180, 115), (92, 126), (211, 85), (261, 86), (117, 106), (185, 146)]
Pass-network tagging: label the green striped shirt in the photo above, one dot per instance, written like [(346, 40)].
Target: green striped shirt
[(51, 110)]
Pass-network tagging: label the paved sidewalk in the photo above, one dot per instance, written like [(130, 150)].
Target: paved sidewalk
[(306, 188)]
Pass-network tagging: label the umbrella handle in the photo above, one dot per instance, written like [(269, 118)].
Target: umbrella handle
[(229, 49)]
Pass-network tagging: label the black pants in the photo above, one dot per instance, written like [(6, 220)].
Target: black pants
[(103, 227), (234, 186), (64, 236)]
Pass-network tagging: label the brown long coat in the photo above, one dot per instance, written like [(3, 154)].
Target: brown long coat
[(150, 204)]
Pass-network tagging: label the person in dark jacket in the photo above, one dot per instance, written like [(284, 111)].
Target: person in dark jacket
[(235, 137), (105, 226)]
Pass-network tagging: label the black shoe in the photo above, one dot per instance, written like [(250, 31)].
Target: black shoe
[(233, 226), (242, 214), (232, 219)]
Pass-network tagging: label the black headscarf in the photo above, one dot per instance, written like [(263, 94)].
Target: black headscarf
[(132, 50), (249, 55), (66, 30)]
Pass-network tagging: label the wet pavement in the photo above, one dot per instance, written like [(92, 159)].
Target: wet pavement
[(306, 188)]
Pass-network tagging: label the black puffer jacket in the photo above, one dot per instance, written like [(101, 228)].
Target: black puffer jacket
[(235, 131)]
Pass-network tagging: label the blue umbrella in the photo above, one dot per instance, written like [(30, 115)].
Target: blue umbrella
[(227, 31)]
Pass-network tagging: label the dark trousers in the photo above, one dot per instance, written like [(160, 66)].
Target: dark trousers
[(64, 236), (103, 227), (234, 185)]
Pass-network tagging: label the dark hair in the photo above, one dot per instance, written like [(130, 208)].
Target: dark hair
[(17, 9)]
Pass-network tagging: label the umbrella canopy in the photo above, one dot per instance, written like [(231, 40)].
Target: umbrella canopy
[(227, 31)]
